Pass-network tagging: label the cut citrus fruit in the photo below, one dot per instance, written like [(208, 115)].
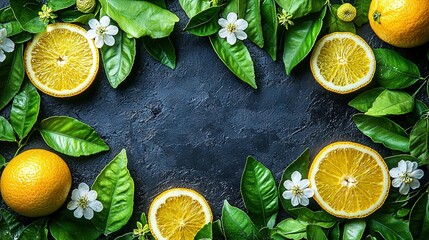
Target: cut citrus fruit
[(342, 62), (350, 180), (61, 61), (178, 213)]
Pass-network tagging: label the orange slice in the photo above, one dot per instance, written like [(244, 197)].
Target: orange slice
[(342, 62), (61, 61), (178, 213), (350, 180)]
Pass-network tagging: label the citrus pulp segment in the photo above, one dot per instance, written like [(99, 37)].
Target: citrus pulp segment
[(342, 62), (61, 61), (178, 213), (350, 180)]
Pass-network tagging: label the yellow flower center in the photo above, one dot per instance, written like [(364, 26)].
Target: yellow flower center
[(83, 202), (231, 27), (296, 191)]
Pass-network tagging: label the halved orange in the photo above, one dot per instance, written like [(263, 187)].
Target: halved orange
[(350, 180), (178, 213), (61, 61), (342, 62)]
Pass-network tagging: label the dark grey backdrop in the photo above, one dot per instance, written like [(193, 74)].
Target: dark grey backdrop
[(194, 127)]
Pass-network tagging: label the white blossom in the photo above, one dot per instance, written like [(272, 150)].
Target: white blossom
[(297, 190), (6, 45), (405, 176), (84, 202), (102, 31), (232, 28)]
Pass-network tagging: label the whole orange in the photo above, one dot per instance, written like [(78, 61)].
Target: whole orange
[(35, 183), (401, 23)]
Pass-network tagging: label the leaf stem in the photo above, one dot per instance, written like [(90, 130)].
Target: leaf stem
[(421, 86), (22, 144)]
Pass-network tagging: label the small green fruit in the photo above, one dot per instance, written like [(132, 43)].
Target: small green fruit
[(346, 12), (85, 6)]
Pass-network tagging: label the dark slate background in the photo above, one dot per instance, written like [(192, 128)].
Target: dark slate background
[(194, 126)]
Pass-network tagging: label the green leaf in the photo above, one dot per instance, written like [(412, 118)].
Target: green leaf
[(236, 57), (12, 28), (391, 103), (253, 17), (292, 229), (383, 130), (419, 141), (259, 192), (205, 23), (71, 137), (21, 37), (269, 27), (142, 19), (392, 161), (10, 227), (143, 219), (354, 229), (362, 9), (217, 230), (389, 227), (334, 232), (75, 16), (192, 7), (161, 49), (319, 218), (237, 225), (315, 233), (26, 12), (35, 230), (64, 226), (12, 75), (301, 8), (419, 218), (301, 164), (363, 102), (6, 131), (236, 6), (6, 14), (60, 4), (336, 24), (205, 232), (118, 60), (160, 3), (300, 39), (25, 110), (2, 161), (402, 213), (394, 71), (127, 236), (115, 189)]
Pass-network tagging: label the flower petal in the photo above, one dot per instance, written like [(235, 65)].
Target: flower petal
[(2, 56), (112, 30), (417, 174), (99, 42), (288, 184), (75, 195), (91, 34), (415, 184), (3, 33), (231, 39), (109, 40), (78, 213), (93, 24), (304, 201), (396, 182), (88, 213), (404, 189), (308, 192), (296, 178), (8, 45), (105, 21), (240, 35), (294, 201), (415, 165), (72, 205), (232, 17), (92, 195), (83, 188), (287, 194), (303, 184), (241, 24), (96, 206), (410, 166), (402, 165), (222, 22), (223, 33), (394, 172)]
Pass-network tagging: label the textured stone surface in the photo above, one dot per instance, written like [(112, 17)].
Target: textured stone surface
[(194, 126)]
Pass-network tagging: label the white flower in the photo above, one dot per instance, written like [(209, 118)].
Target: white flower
[(84, 202), (232, 28), (297, 190), (405, 176), (6, 45), (102, 32)]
